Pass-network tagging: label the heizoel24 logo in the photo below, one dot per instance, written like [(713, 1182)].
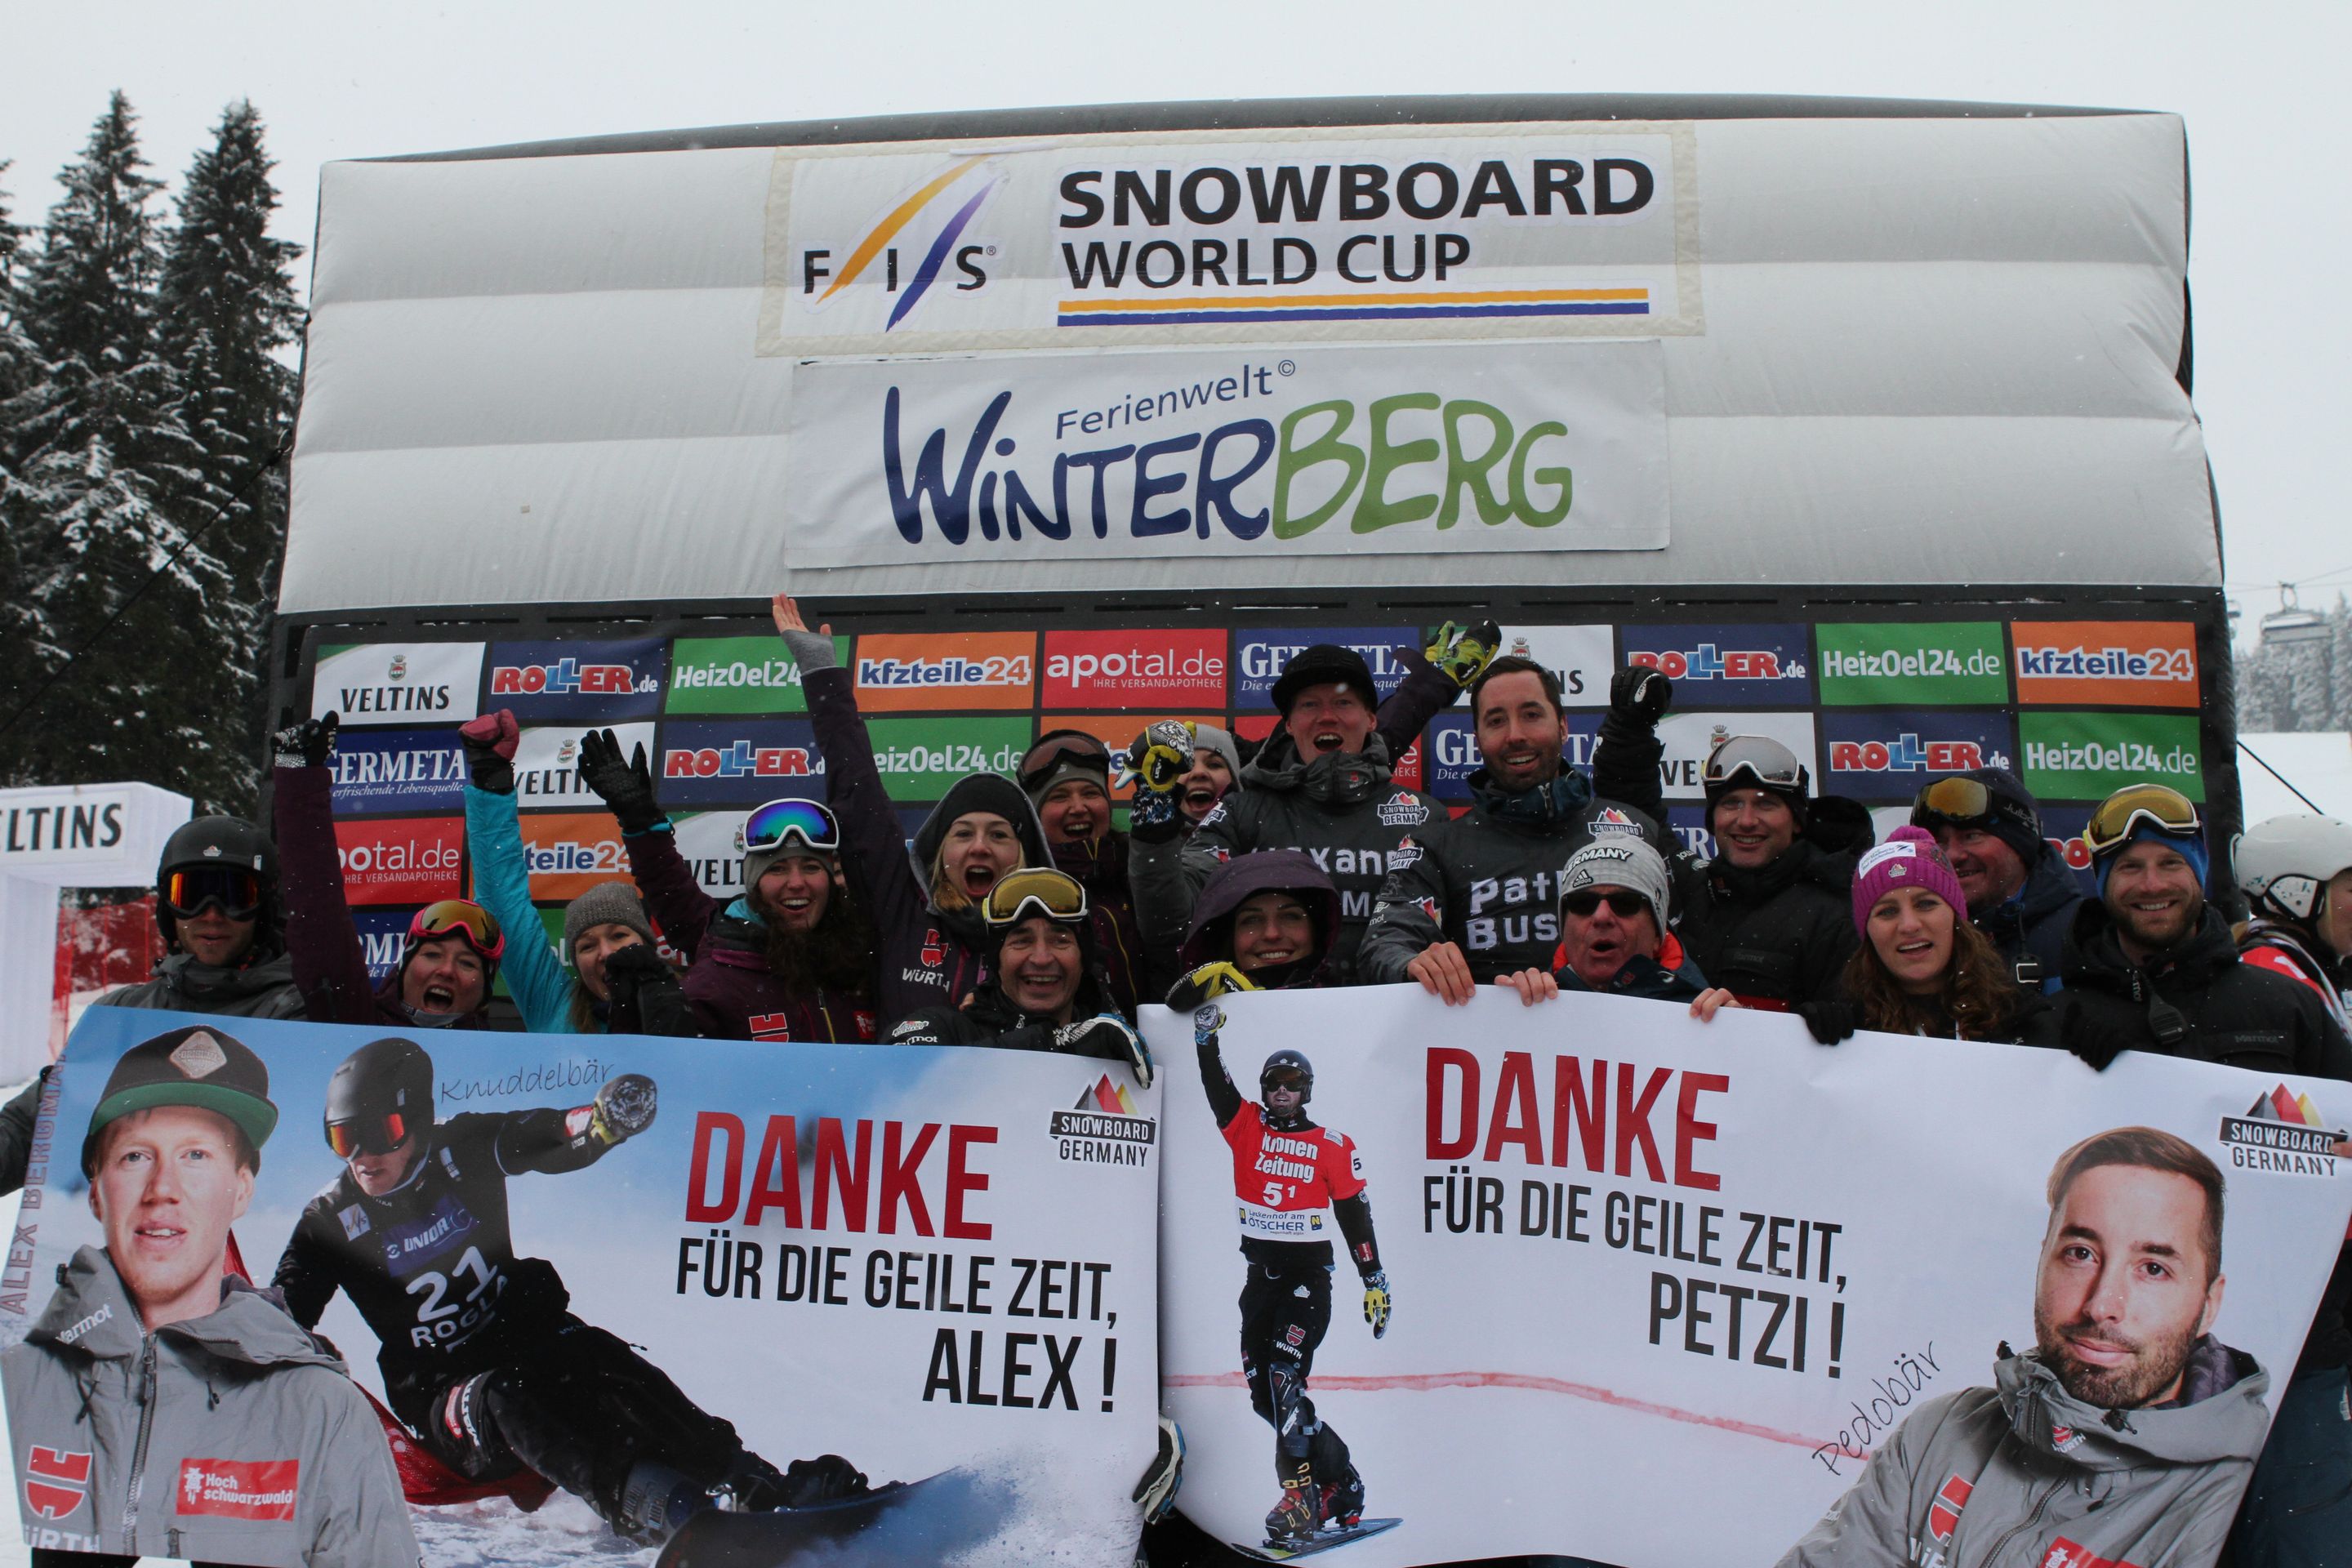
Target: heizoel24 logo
[(738, 675), (1885, 664), (1891, 755), (575, 680), (1727, 666), (919, 758), (741, 763), (2089, 756), (2107, 664)]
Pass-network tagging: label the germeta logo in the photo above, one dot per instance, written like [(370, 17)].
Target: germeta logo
[(1747, 666), (1901, 752), (931, 219), (1891, 664), (976, 669), (1087, 669), (400, 860), (2108, 664)]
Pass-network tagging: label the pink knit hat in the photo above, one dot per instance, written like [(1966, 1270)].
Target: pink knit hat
[(1908, 858)]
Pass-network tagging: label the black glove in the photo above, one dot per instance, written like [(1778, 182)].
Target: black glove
[(645, 996), (491, 742), (307, 745), (2094, 1036), (1641, 696), (626, 788), (828, 1478), (1108, 1035), (1830, 1021)]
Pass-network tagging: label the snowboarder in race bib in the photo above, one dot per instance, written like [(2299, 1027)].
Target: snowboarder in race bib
[(480, 1357), (1291, 1180)]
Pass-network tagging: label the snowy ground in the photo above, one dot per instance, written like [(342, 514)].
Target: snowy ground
[(2319, 764)]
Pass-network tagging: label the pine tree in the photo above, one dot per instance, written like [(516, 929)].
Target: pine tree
[(19, 517)]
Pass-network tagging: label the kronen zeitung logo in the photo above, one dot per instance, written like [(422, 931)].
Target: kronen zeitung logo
[(1275, 471)]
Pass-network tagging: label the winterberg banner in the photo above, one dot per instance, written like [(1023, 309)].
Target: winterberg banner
[(1663, 1291), (641, 1261), (1249, 453)]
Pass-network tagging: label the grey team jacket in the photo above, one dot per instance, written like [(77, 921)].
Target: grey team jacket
[(232, 1436), (2023, 1475)]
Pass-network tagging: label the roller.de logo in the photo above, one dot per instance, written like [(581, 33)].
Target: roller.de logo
[(564, 677), (740, 760), (1707, 662), (1907, 753)]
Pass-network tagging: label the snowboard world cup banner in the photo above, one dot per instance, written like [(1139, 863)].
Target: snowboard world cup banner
[(1658, 1292), (877, 1304)]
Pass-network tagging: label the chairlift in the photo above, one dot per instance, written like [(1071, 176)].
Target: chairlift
[(2290, 623)]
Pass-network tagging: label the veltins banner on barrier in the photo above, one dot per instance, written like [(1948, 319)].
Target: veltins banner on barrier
[(1246, 453), (936, 1263), (1663, 1291)]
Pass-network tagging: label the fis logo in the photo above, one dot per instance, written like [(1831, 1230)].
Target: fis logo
[(568, 676), (740, 760), (1907, 753), (1707, 662), (955, 195)]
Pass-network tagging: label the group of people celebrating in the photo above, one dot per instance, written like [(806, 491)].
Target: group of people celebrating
[(1019, 916)]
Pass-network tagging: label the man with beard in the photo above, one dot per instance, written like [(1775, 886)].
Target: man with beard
[(2126, 1434), (2021, 895)]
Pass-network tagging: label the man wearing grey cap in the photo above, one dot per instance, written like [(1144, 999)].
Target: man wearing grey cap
[(160, 1405), (1614, 892)]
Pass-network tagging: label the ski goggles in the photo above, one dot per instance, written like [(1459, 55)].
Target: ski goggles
[(2167, 810), (235, 891), (368, 1134), (1282, 1077), (1763, 761), (779, 822), (461, 918), (1624, 905), (1963, 803), (1074, 746), (1055, 895)]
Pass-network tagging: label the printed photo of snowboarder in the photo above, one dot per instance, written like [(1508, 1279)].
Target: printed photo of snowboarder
[(1292, 1180), (2128, 1431), (160, 1405), (481, 1359)]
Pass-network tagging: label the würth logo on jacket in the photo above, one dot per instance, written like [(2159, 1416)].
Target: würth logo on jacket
[(1944, 1513), (238, 1488), (56, 1483), (935, 952)]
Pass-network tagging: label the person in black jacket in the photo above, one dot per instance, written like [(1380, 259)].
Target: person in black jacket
[(1613, 934), (1264, 922), (2021, 894), (1067, 776), (1478, 901), (1766, 918)]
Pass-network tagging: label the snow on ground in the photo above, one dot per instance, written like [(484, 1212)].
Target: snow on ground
[(2319, 764)]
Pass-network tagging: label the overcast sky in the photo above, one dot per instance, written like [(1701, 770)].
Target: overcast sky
[(2267, 147)]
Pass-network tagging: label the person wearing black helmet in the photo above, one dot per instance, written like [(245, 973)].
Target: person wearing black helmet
[(1292, 1180), (481, 1360), (1769, 918)]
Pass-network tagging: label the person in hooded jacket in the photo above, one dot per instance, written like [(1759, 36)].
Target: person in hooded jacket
[(1265, 922), (1067, 776), (791, 957), (450, 958), (1479, 902), (2021, 894), (1769, 918), (223, 926), (2123, 1435)]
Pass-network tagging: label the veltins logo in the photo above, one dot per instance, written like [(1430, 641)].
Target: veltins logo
[(925, 224), (400, 860), (738, 675), (919, 758), (1582, 658), (1905, 663), (2088, 756), (975, 669), (1895, 753), (2282, 1131), (1726, 666), (1102, 1128), (2107, 664), (1095, 669), (398, 683)]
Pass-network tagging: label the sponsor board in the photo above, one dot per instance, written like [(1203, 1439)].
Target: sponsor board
[(1558, 230), (401, 859), (1889, 664), (1688, 738), (901, 674), (1690, 827), (919, 758), (2089, 756), (547, 763), (736, 761), (1261, 656), (1176, 668), (602, 680), (1885, 755), (1583, 657), (568, 852), (711, 844), (1727, 666), (407, 683), (1243, 454), (398, 769), (738, 675), (1117, 732), (383, 933), (1451, 745), (2107, 664)]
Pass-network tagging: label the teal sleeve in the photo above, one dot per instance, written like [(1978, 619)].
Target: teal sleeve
[(502, 885)]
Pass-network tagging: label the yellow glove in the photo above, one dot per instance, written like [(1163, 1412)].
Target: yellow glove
[(1207, 983), (1376, 1301), (1462, 652)]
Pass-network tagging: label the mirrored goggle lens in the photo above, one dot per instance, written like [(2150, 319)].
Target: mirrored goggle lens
[(2167, 810), (459, 917), (370, 1135), (779, 821), (1053, 894), (1624, 906), (1285, 1078), (1766, 762), (1046, 755), (238, 893), (1961, 800)]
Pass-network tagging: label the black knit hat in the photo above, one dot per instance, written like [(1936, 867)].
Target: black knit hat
[(199, 1066), (1320, 666)]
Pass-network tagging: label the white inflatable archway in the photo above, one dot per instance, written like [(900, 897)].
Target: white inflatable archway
[(80, 836)]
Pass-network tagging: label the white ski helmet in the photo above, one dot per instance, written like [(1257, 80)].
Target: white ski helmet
[(2284, 865)]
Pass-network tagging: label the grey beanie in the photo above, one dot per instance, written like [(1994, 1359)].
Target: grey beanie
[(1209, 737), (1619, 861), (606, 903)]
